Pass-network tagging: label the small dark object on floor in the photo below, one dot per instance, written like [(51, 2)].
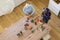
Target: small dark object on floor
[(21, 33), (43, 28), (41, 39), (26, 24), (35, 23), (27, 19), (18, 34), (32, 21), (41, 20), (32, 31)]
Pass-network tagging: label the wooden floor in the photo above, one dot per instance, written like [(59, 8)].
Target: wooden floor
[(9, 19)]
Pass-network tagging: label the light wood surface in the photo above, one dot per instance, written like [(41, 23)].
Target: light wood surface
[(9, 19), (38, 34)]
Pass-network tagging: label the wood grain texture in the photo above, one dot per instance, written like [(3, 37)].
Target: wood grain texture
[(9, 19)]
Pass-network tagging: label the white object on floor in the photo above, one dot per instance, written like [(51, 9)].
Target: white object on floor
[(18, 2), (28, 8), (54, 7), (47, 37), (7, 6)]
